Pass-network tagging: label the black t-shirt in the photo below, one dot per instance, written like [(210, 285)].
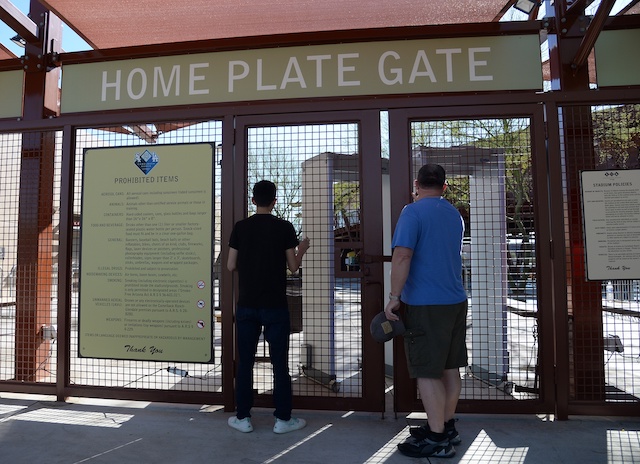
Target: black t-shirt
[(261, 241)]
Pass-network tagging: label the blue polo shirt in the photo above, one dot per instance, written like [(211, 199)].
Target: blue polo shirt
[(433, 229)]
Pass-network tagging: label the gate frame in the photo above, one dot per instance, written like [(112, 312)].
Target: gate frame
[(549, 100), (400, 172), (368, 121), (565, 405)]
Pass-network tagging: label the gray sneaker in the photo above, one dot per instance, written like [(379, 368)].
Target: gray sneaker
[(292, 424), (243, 425)]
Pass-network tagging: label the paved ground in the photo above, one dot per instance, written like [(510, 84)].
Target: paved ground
[(38, 429)]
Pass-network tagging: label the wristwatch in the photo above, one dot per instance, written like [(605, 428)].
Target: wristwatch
[(393, 297)]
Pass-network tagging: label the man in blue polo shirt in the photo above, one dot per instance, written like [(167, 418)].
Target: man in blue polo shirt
[(426, 275)]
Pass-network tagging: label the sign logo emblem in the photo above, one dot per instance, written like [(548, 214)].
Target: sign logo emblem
[(146, 161)]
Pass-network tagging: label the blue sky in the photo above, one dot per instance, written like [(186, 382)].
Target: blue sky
[(71, 42)]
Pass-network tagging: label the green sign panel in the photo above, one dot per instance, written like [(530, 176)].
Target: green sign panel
[(145, 266), (11, 94), (617, 60), (377, 68)]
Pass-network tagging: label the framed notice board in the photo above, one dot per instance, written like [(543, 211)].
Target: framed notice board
[(145, 253)]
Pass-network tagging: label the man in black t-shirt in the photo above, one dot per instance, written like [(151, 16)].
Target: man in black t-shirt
[(261, 248)]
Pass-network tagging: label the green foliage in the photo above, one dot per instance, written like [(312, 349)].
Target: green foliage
[(616, 136), (284, 171), (346, 205), (508, 135)]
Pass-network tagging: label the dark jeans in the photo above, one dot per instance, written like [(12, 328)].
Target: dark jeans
[(249, 324)]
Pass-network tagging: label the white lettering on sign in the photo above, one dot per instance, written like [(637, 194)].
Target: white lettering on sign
[(115, 85), (449, 60), (262, 86), (421, 58), (239, 70), (293, 74), (473, 64), (137, 82), (396, 73), (343, 68), (394, 68), (143, 83), (232, 72), (422, 67), (193, 78), (319, 59), (158, 77)]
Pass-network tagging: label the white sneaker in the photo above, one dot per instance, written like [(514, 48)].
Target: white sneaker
[(243, 425), (292, 424)]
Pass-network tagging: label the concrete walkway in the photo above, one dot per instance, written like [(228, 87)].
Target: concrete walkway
[(37, 429)]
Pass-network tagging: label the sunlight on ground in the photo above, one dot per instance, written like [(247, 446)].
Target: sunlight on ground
[(623, 446), (483, 450), (6, 409), (295, 445), (104, 453), (74, 417), (389, 448)]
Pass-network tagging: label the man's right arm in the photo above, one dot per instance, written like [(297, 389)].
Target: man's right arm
[(294, 260)]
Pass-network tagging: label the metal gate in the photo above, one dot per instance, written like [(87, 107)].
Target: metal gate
[(495, 159), (541, 337), (598, 372), (327, 168)]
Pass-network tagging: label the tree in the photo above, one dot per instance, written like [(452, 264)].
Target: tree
[(616, 136), (346, 207), (510, 134), (284, 170)]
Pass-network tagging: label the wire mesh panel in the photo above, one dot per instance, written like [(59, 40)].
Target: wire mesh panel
[(30, 189), (137, 374), (10, 190), (489, 175), (316, 169), (604, 315)]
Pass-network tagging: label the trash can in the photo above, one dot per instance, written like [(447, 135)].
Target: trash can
[(294, 301)]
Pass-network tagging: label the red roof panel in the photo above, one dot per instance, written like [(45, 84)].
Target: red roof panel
[(123, 23)]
